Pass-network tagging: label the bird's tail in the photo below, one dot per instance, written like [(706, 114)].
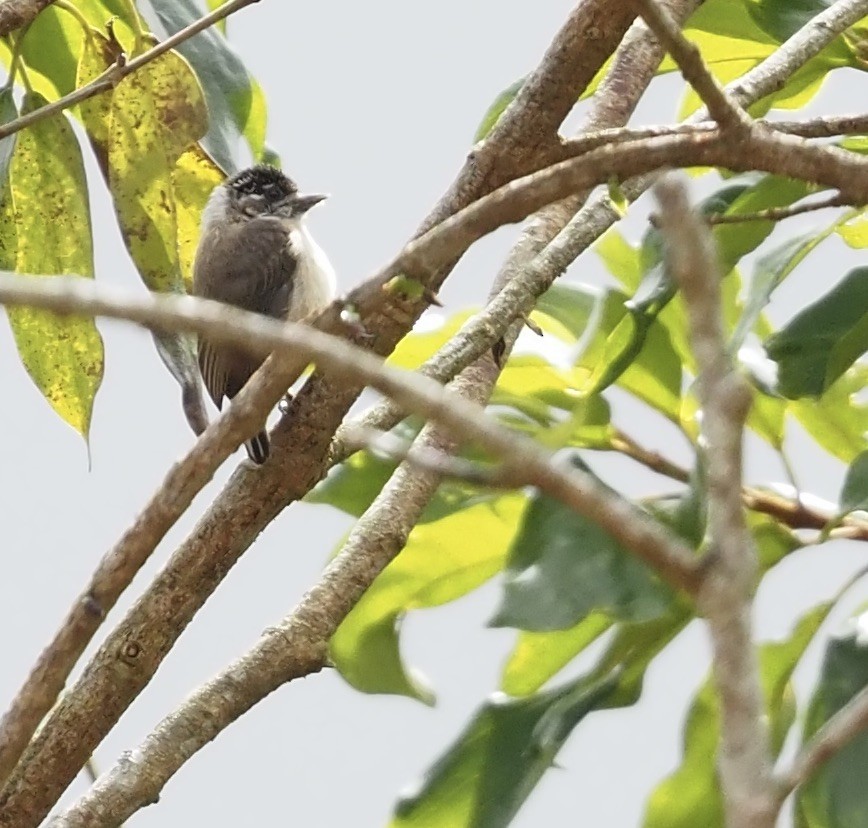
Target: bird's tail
[(257, 448)]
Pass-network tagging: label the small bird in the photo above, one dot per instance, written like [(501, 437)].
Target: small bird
[(256, 253)]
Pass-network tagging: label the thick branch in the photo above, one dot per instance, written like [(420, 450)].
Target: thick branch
[(14, 14)]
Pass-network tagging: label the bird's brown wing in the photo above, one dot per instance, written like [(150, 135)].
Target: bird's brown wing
[(256, 266)]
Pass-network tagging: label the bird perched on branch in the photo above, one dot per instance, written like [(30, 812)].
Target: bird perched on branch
[(256, 253)]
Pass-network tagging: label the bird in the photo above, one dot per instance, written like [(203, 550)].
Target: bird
[(255, 252)]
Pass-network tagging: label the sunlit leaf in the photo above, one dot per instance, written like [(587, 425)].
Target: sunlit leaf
[(51, 216), (443, 560), (235, 102), (855, 231), (419, 345), (157, 115), (49, 50), (194, 177), (838, 420), (537, 656), (97, 54)]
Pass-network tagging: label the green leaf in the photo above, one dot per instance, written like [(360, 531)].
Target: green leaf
[(735, 241), (617, 344), (620, 257), (854, 231), (97, 54), (804, 84), (562, 567), (533, 386), (490, 770), (838, 421), (442, 560), (418, 346), (783, 18), (629, 348), (497, 108), (538, 656), (48, 227), (235, 101), (485, 776), (690, 796), (576, 307), (728, 25), (769, 272), (835, 796), (805, 348), (50, 47), (353, 485), (854, 493)]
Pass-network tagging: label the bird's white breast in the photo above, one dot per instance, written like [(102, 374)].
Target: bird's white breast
[(314, 282)]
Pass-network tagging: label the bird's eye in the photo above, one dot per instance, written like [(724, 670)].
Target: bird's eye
[(252, 204)]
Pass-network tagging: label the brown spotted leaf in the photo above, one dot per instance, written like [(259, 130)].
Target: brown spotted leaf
[(47, 223)]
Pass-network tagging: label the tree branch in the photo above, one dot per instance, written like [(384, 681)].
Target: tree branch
[(771, 75), (299, 442), (725, 596), (728, 115), (847, 723), (114, 74), (15, 14), (777, 213)]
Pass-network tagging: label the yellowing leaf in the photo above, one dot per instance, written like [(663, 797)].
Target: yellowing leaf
[(157, 113), (194, 177), (51, 215)]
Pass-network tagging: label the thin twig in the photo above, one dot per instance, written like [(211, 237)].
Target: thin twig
[(724, 111), (725, 597), (844, 726), (789, 511), (115, 73), (776, 213)]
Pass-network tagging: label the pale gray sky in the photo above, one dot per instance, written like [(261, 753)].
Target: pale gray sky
[(376, 103)]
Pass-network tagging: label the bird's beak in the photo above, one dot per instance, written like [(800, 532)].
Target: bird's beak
[(303, 203)]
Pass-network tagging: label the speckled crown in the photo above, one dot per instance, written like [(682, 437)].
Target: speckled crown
[(262, 180)]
